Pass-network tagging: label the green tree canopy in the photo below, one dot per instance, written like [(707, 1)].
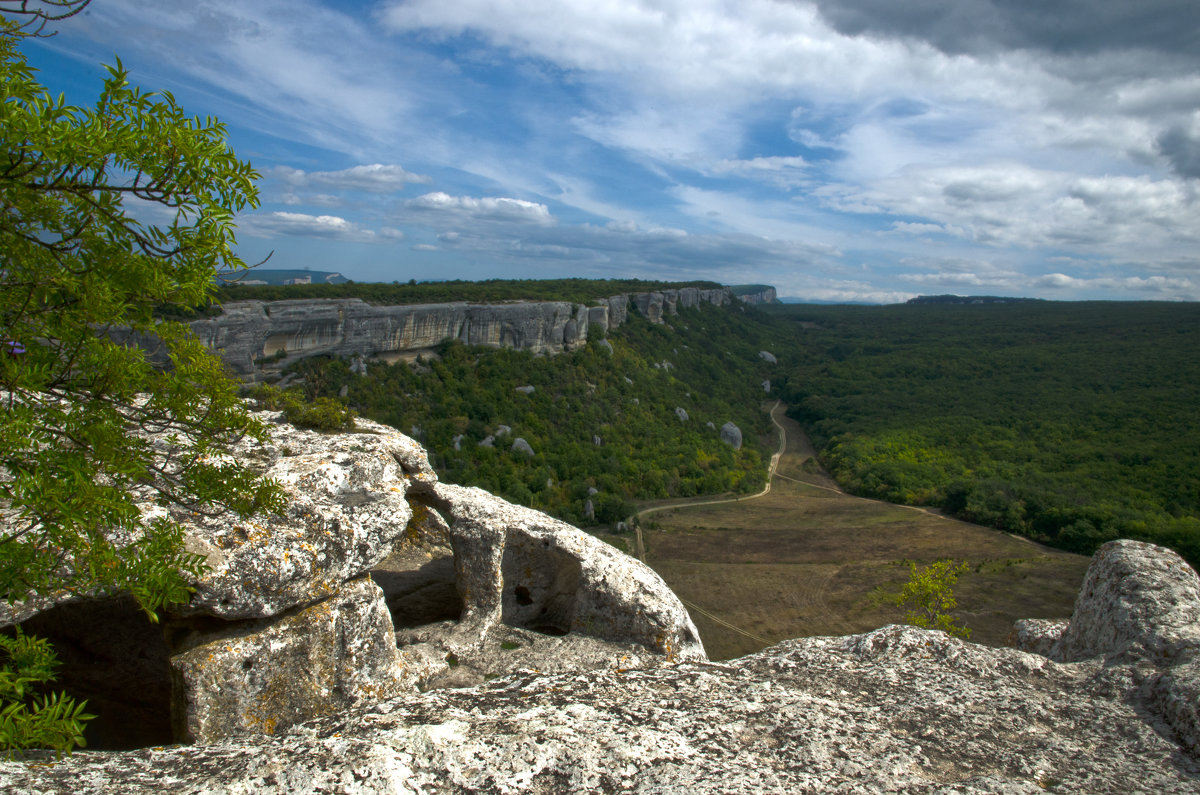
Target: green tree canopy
[(108, 212)]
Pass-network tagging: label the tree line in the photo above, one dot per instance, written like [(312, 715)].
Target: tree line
[(1069, 423)]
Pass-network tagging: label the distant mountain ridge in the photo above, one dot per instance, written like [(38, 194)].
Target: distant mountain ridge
[(972, 299)]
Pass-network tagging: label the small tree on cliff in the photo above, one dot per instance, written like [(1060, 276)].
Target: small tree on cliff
[(108, 213), (929, 595)]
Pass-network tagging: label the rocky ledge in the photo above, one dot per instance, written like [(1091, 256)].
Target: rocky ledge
[(391, 634), (255, 338)]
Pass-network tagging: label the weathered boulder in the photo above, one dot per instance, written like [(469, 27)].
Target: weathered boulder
[(522, 446), (768, 357), (1138, 601), (286, 626), (526, 390), (263, 676), (347, 508), (522, 568), (731, 435), (681, 414), (1036, 635), (896, 710)]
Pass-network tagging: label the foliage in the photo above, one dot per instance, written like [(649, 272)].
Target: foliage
[(596, 420), (108, 212), (29, 718), (487, 291), (321, 413), (929, 595), (1069, 423)]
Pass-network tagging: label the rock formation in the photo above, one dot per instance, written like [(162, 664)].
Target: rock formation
[(731, 435), (258, 337), (899, 709), (343, 599)]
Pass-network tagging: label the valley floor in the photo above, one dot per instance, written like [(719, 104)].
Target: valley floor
[(805, 559)]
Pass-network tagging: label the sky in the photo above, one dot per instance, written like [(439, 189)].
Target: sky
[(840, 150)]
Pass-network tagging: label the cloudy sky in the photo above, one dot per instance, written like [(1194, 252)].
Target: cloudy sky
[(858, 150)]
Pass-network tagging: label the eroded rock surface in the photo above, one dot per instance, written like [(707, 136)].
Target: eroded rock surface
[(896, 710), (260, 677), (1138, 601), (286, 625)]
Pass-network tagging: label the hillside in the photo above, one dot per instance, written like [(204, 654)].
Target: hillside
[(633, 415), (1069, 423)]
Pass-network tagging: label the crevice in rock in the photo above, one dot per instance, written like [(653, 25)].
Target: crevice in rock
[(113, 656), (419, 591)]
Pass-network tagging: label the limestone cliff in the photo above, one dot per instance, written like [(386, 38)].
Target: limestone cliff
[(258, 337)]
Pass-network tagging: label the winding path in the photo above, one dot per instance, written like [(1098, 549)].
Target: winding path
[(636, 519)]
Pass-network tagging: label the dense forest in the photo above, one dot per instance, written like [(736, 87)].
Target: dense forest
[(1069, 423), (600, 422), (488, 291)]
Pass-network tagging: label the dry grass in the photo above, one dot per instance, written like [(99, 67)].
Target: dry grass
[(807, 560)]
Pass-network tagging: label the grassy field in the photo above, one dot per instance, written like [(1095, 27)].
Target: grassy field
[(808, 560)]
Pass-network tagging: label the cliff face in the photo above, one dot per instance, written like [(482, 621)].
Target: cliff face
[(259, 337), (765, 296)]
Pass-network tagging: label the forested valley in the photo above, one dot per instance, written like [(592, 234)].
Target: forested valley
[(1069, 423), (601, 422)]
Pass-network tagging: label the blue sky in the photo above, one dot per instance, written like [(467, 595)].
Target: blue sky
[(852, 150)]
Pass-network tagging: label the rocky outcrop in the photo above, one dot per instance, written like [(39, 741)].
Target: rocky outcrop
[(258, 337), (291, 623), (1138, 610), (757, 294), (899, 709), (731, 435)]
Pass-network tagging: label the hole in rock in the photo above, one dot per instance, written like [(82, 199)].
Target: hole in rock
[(111, 655), (418, 590), (550, 580)]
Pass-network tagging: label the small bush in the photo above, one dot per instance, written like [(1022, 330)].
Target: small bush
[(28, 717)]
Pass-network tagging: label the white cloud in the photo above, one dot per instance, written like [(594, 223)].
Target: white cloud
[(278, 224), (424, 247), (487, 208), (374, 178)]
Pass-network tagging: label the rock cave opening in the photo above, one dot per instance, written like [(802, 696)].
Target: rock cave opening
[(419, 591), (115, 658)]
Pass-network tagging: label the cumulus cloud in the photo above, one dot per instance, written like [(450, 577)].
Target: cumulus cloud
[(374, 178), (286, 224), (462, 208)]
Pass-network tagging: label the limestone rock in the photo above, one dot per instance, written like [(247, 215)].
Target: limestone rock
[(768, 357), (525, 390), (249, 335), (1036, 635), (521, 446), (731, 435), (347, 508), (896, 710), (681, 414), (261, 677), (524, 569), (766, 385), (1137, 601), (607, 346)]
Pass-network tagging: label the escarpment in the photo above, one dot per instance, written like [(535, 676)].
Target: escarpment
[(255, 338), (389, 633)]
